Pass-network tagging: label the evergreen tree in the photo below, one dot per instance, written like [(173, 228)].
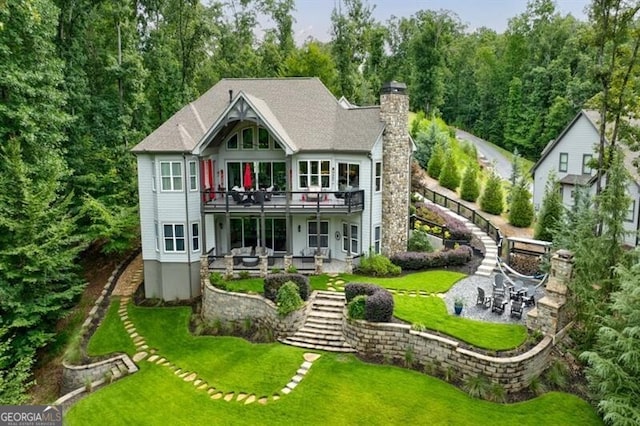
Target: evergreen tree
[(434, 167), (449, 176), (521, 210), (550, 216), (470, 188), (614, 370), (492, 199)]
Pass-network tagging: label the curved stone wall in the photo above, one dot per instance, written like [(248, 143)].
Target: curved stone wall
[(223, 305), (76, 376), (395, 340)]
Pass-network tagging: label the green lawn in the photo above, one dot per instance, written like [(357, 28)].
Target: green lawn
[(256, 285), (111, 336), (429, 281), (339, 389), (431, 313)]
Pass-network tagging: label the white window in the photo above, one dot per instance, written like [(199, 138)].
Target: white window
[(376, 239), (153, 176), (353, 241), (586, 160), (247, 138), (263, 138), (173, 237), (193, 176), (157, 235), (314, 173), (171, 174), (348, 175), (316, 235), (195, 236), (378, 177), (232, 142), (631, 211), (564, 162)]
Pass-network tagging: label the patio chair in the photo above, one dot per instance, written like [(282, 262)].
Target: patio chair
[(516, 309), (498, 280), (483, 299), (499, 291), (529, 300), (498, 305)]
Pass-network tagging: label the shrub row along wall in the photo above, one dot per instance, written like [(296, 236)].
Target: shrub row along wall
[(226, 306), (396, 340)]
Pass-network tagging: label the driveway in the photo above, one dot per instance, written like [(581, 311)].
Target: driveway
[(502, 163)]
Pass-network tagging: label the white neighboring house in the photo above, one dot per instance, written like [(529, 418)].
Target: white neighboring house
[(310, 173), (569, 155)]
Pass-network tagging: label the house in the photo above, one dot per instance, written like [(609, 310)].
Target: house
[(569, 157), (271, 168)]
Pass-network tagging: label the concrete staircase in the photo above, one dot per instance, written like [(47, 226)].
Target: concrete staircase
[(323, 327)]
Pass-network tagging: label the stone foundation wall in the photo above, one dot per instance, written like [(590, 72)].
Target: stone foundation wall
[(222, 305), (76, 376), (395, 340)]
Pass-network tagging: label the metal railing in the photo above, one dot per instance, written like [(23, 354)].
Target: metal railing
[(460, 209)]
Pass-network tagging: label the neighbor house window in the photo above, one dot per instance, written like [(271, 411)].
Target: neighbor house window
[(376, 239), (153, 176), (317, 235), (195, 236), (350, 244), (378, 176), (173, 237), (232, 142), (631, 211), (193, 176), (586, 159), (171, 175), (564, 162), (247, 138), (263, 138), (314, 173)]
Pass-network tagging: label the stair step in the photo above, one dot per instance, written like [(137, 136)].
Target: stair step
[(318, 347), (323, 324), (325, 314), (312, 328), (318, 336), (321, 342), (329, 302)]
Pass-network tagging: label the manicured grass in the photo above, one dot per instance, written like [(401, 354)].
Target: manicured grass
[(111, 336), (228, 363), (429, 281), (431, 312), (256, 285), (337, 390)]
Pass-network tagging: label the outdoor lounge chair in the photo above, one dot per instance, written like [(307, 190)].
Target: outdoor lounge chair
[(516, 309), (498, 305), (483, 299), (528, 300)]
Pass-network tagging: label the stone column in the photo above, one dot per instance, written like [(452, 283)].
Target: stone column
[(551, 315), (318, 264), (396, 167), (288, 261), (228, 265), (264, 266), (349, 265), (204, 271)]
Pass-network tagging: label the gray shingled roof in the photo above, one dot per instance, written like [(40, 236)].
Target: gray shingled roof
[(304, 107)]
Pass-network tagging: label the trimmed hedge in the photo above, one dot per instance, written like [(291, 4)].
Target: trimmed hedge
[(378, 304), (352, 290), (273, 282), (457, 230), (379, 307), (415, 261)]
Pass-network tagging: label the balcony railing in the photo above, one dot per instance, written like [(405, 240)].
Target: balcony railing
[(339, 201)]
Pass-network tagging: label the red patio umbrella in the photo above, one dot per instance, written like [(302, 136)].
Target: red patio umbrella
[(248, 180)]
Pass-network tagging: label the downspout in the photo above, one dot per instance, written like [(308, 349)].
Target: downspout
[(187, 233), (372, 183), (638, 220)]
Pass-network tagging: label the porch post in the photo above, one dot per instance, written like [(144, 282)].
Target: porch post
[(287, 198), (228, 231)]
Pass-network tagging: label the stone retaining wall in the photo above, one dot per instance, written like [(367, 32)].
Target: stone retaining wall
[(396, 340), (76, 376), (222, 305)]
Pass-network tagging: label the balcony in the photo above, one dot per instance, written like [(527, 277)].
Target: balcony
[(283, 201)]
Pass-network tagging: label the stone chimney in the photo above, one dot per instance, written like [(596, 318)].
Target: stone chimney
[(396, 167)]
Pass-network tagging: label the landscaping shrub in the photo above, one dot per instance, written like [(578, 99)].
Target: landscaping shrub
[(470, 189), (417, 261), (419, 241), (352, 290), (492, 200), (449, 176), (379, 306), (457, 230), (273, 282), (521, 209), (377, 265), (217, 280), (356, 307), (434, 167), (550, 214), (288, 298)]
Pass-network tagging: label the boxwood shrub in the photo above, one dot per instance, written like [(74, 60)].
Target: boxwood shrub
[(415, 261), (354, 289), (378, 302), (379, 306), (356, 307), (273, 282)]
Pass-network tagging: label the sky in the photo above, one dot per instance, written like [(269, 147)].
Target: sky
[(313, 17)]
